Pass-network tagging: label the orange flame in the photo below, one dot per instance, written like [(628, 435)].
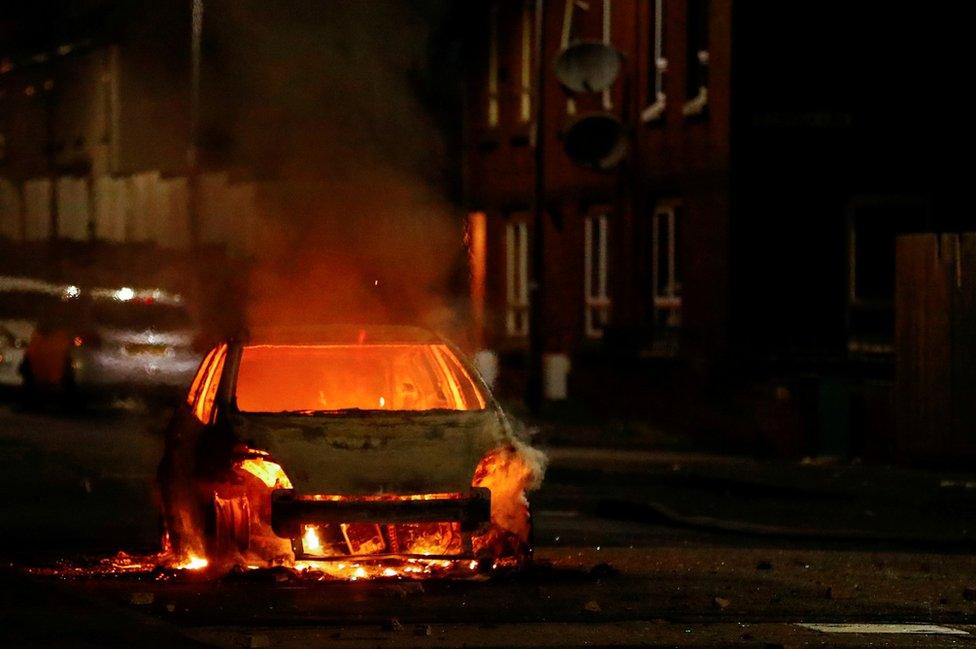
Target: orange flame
[(270, 473), (359, 551)]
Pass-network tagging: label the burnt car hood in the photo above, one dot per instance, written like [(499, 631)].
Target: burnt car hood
[(373, 453)]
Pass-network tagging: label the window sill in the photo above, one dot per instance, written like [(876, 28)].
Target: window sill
[(859, 347), (697, 104), (655, 112)]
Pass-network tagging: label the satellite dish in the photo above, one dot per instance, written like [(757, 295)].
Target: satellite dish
[(596, 140), (588, 66)]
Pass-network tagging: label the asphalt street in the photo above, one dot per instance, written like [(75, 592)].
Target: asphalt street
[(633, 549)]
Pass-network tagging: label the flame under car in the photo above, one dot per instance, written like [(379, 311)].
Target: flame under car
[(341, 445)]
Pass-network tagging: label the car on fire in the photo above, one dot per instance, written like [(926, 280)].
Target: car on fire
[(336, 444)]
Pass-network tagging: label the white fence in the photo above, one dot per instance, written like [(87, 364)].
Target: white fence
[(141, 208)]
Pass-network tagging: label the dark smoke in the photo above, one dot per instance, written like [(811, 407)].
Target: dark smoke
[(320, 104)]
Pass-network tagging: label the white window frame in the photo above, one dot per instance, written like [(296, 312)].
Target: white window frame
[(597, 303), (696, 105), (525, 88), (517, 279), (607, 25), (856, 302), (493, 108), (666, 302), (655, 110)]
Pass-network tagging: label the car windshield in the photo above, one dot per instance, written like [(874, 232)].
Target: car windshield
[(140, 315), (333, 378)]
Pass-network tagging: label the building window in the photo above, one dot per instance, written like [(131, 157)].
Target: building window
[(525, 88), (517, 279), (597, 300), (583, 29), (696, 63), (607, 31), (666, 271), (493, 66), (657, 65), (872, 227)]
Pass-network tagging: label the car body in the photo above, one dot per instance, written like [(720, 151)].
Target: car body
[(115, 338), (339, 443), (23, 301)]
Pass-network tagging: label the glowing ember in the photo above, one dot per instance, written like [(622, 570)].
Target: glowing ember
[(310, 540), (194, 563), (270, 473), (391, 568)]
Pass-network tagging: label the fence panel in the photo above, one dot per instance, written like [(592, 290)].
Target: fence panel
[(37, 209), (935, 337), (11, 218), (110, 208), (74, 208)]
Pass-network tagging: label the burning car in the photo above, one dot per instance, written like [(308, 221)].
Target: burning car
[(357, 451)]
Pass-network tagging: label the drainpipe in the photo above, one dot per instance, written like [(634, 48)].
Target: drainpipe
[(534, 383), (192, 180)]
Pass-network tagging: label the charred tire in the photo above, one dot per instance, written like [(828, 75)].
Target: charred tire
[(231, 532), (68, 388), (28, 391)]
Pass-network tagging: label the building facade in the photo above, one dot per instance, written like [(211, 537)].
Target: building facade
[(735, 273)]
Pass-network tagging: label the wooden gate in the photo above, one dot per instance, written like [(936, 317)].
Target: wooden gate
[(935, 343)]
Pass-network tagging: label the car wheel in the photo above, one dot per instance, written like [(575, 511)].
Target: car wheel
[(28, 391), (68, 388), (232, 525)]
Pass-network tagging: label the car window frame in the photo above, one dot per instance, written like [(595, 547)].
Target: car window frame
[(206, 373)]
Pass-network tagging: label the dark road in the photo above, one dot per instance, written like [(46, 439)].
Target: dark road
[(598, 580)]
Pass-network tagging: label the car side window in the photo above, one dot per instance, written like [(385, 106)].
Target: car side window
[(207, 393)]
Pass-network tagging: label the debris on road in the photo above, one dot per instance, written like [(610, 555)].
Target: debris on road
[(259, 641), (838, 592), (603, 570), (721, 603), (142, 599), (592, 606)]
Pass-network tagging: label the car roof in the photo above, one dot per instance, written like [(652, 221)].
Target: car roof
[(340, 334)]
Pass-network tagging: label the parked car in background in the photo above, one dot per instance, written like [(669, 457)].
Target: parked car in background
[(23, 302), (114, 339)]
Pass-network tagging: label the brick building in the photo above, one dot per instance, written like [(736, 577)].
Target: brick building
[(736, 272)]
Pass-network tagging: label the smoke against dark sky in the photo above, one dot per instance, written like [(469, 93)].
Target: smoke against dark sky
[(319, 104)]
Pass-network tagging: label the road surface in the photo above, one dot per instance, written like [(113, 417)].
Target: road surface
[(80, 487)]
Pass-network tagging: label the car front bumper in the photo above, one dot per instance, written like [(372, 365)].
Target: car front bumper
[(290, 512)]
